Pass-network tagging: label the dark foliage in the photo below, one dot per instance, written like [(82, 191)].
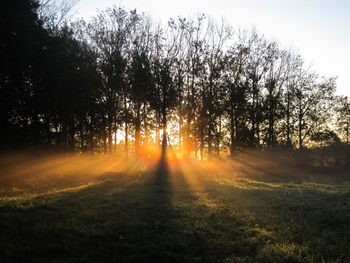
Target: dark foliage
[(73, 88)]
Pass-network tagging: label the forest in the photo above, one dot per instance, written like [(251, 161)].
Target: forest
[(119, 81), (127, 139)]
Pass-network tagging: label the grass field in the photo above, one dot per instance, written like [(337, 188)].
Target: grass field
[(217, 211)]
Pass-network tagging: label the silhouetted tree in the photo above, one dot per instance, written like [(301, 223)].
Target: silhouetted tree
[(343, 118), (72, 88)]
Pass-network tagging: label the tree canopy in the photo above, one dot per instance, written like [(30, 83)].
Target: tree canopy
[(123, 80)]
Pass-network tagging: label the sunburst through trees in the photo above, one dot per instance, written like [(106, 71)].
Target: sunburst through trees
[(113, 85)]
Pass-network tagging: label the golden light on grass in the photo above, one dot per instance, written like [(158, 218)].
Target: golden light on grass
[(63, 170), (246, 197), (58, 173)]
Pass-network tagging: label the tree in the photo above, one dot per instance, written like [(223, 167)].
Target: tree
[(141, 81), (74, 87), (312, 105), (343, 118), (22, 40), (235, 86), (55, 13), (214, 66)]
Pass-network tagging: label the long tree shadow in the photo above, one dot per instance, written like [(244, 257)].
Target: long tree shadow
[(120, 219), (142, 223), (164, 239), (154, 216)]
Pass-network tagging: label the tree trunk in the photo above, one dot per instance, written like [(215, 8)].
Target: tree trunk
[(126, 139), (232, 131), (110, 123), (165, 133), (145, 124), (104, 136), (210, 121), (158, 128), (180, 129), (300, 128), (138, 128), (289, 143), (115, 133), (219, 137), (201, 147), (90, 131)]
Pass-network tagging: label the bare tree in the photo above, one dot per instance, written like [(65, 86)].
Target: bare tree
[(55, 13)]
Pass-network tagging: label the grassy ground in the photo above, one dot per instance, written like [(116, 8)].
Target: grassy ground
[(195, 212)]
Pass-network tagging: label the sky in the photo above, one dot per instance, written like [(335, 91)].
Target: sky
[(318, 29)]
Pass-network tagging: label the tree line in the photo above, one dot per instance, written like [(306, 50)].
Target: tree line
[(77, 86)]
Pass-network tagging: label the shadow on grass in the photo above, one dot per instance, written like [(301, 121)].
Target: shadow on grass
[(120, 219), (292, 222), (156, 217), (152, 234)]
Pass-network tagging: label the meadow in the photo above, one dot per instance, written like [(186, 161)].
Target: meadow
[(249, 209)]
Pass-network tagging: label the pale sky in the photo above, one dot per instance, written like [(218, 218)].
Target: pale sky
[(318, 29)]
